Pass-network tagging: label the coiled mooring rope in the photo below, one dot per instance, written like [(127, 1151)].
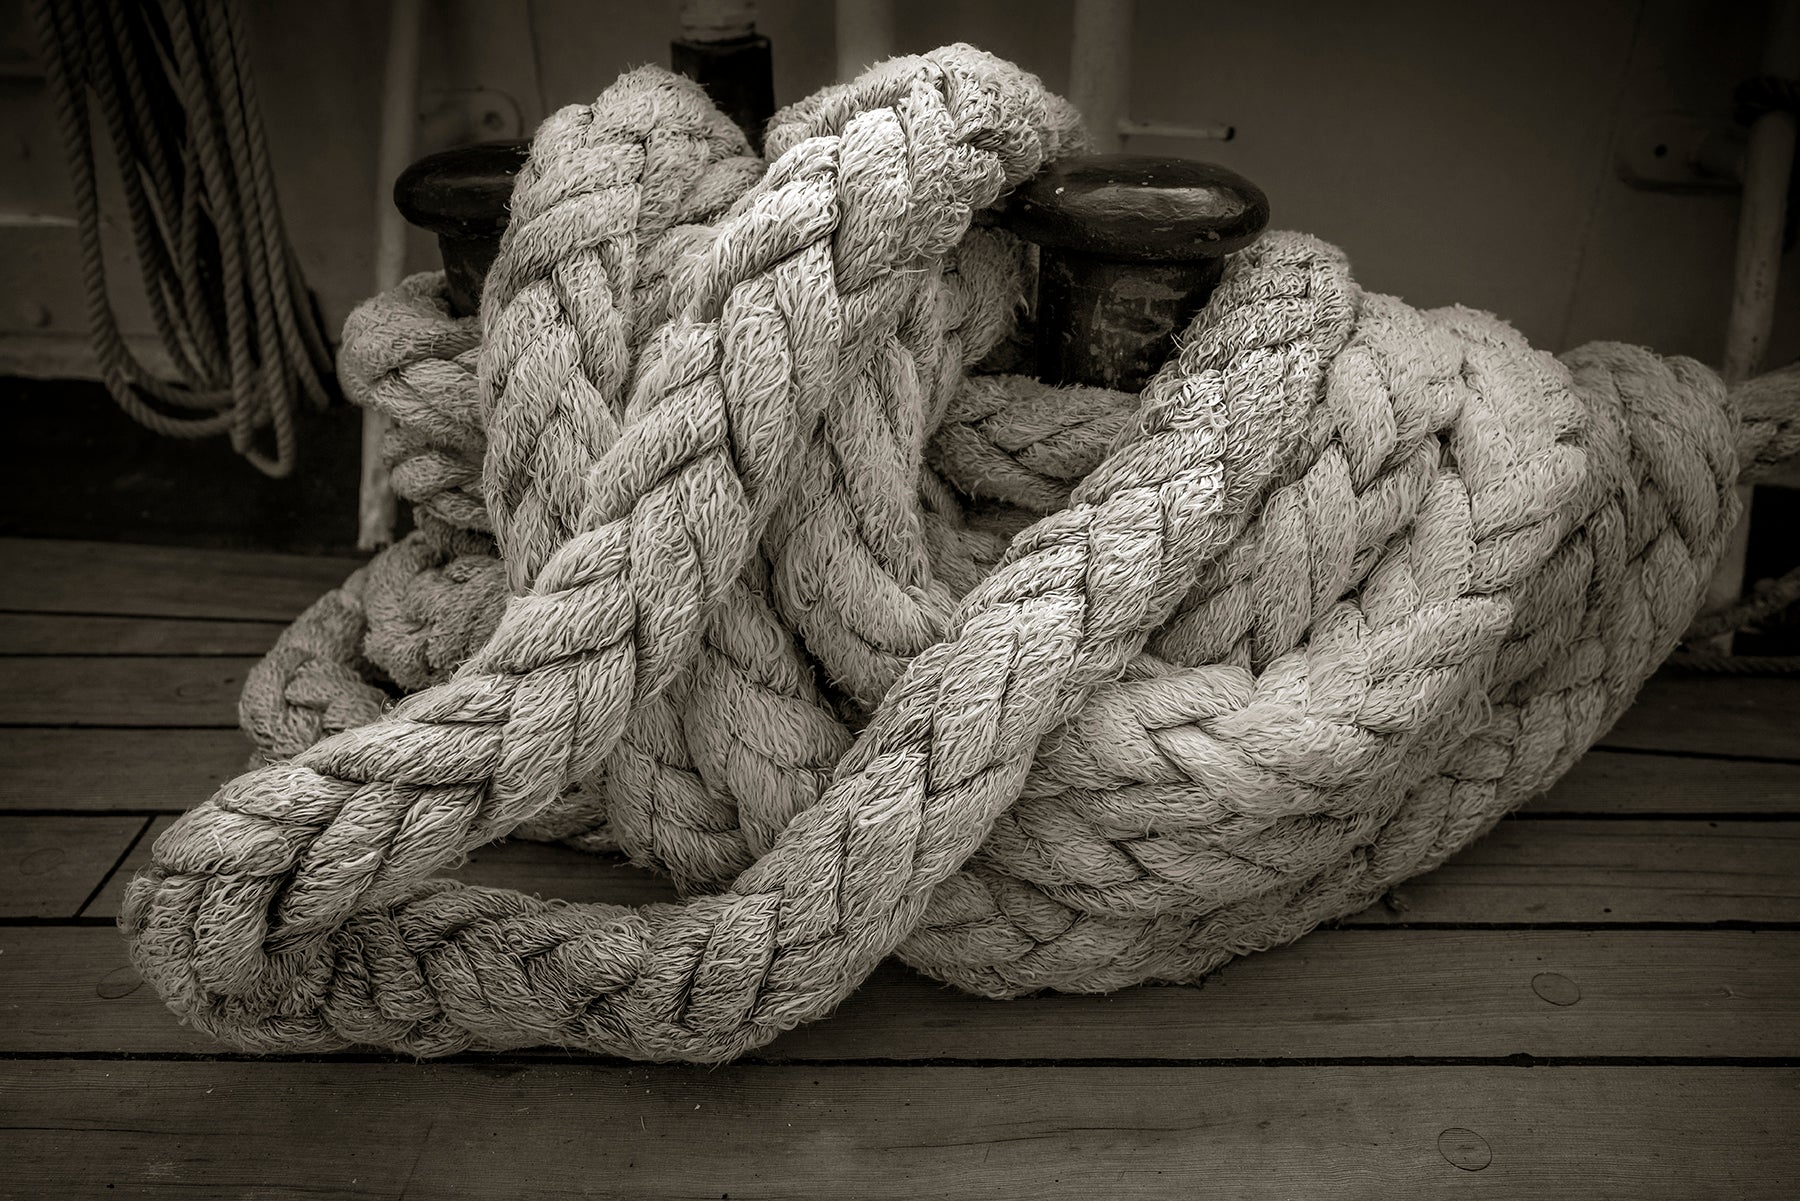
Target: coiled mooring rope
[(173, 86), (1347, 582)]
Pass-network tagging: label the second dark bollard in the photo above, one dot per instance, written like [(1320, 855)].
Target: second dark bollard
[(1130, 250)]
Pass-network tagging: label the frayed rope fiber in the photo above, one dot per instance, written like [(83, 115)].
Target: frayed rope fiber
[(730, 558)]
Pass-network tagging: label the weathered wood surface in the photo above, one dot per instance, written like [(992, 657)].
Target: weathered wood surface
[(1635, 934), (379, 1130), (1611, 871), (1336, 994), (1525, 872), (49, 866), (1693, 713), (63, 634), (111, 769), (158, 690), (48, 576), (1621, 782)]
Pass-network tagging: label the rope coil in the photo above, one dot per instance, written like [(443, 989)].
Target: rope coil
[(1209, 665), (225, 292)]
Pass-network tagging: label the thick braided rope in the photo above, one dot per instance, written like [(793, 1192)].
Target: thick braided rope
[(1425, 403), (1515, 546), (548, 695)]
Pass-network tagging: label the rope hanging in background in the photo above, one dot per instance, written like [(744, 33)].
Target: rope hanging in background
[(173, 86), (1035, 687)]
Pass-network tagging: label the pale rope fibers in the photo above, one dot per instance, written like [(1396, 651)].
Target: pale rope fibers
[(1352, 581), (173, 86)]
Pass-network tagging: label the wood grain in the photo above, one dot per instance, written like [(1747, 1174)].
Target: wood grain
[(144, 691), (49, 865), (1618, 782), (172, 770), (375, 1130), (1524, 872), (1334, 994), (100, 770), (1611, 871), (49, 576), (1713, 715), (62, 634)]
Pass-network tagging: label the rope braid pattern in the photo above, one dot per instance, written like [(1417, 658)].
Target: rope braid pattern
[(1346, 583)]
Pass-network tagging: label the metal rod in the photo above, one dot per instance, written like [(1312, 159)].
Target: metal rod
[(399, 105), (1768, 165), (1100, 69)]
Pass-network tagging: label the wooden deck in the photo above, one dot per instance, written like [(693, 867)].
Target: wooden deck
[(1600, 999)]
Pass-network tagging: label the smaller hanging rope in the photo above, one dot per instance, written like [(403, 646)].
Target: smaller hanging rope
[(173, 86)]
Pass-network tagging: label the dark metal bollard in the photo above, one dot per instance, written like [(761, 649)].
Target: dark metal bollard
[(1131, 248), (461, 196), (738, 73)]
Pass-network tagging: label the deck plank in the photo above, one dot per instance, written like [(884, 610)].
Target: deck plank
[(102, 770), (1335, 994), (1610, 871), (1525, 872), (171, 770), (53, 576), (165, 691), (50, 865), (197, 1130), (1700, 714), (1682, 714), (1735, 716), (61, 634), (1618, 782)]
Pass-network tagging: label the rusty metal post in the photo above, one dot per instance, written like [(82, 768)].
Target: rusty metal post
[(1131, 248)]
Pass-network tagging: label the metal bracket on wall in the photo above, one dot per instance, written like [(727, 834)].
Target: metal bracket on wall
[(1682, 152)]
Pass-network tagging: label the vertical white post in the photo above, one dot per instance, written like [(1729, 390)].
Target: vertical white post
[(1767, 168), (865, 34), (1100, 69), (399, 112)]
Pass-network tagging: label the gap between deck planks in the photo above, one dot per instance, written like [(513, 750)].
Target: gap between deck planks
[(197, 1130)]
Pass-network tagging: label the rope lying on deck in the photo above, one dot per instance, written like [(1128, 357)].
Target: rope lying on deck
[(1347, 582)]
